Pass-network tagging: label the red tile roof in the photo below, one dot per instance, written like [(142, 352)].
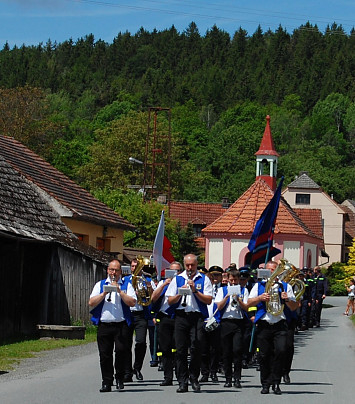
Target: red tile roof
[(195, 212), (312, 218), (241, 217), (79, 201)]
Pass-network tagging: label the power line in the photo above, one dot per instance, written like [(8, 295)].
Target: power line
[(219, 8)]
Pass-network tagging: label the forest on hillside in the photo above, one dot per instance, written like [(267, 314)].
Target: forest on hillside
[(83, 106)]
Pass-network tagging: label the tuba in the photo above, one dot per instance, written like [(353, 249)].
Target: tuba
[(140, 283), (290, 276), (274, 305)]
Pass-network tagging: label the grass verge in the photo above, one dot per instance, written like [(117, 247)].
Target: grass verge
[(12, 352)]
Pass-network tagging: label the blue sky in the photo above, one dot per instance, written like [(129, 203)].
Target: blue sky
[(30, 22)]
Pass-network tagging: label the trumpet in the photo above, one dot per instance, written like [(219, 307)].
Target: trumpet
[(112, 279), (234, 302), (183, 303)]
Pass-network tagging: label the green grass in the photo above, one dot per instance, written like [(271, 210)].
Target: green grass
[(13, 352)]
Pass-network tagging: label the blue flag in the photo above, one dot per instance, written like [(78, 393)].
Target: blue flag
[(260, 244)]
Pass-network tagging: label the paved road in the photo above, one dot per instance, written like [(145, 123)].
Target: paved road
[(323, 372)]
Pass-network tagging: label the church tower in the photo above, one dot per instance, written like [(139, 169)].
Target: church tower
[(266, 158)]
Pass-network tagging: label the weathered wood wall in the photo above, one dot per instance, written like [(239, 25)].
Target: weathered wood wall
[(79, 277), (43, 283)]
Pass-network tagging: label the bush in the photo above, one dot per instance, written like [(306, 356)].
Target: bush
[(336, 279)]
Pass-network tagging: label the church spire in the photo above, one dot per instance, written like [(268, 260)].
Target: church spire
[(266, 158)]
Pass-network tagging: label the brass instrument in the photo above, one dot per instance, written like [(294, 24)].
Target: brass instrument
[(112, 279), (140, 283), (274, 305), (183, 303), (234, 302), (290, 276), (299, 288), (284, 272)]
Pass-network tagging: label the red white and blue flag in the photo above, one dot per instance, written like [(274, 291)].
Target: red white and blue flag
[(161, 250), (260, 244)]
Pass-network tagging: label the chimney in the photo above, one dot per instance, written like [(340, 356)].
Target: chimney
[(225, 203)]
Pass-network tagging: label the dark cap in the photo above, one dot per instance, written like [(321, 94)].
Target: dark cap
[(244, 272), (215, 269), (202, 269)]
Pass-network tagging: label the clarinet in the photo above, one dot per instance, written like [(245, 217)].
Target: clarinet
[(183, 304)]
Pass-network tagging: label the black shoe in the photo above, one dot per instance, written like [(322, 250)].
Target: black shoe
[(303, 328), (265, 389), (166, 382), (195, 386), (228, 383), (138, 374), (214, 378), (276, 389), (105, 388), (287, 379), (127, 379), (119, 385), (204, 379), (245, 364), (182, 388), (237, 384)]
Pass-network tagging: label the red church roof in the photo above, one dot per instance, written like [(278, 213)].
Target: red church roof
[(242, 215), (195, 212), (267, 146)]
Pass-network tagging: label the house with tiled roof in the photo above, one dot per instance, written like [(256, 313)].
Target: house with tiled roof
[(303, 194), (228, 236), (90, 220), (46, 273), (198, 214)]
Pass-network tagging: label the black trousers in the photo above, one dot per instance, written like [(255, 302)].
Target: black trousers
[(232, 347), (290, 346), (318, 308), (272, 343), (110, 337), (210, 351), (188, 332), (166, 332), (140, 327), (305, 312)]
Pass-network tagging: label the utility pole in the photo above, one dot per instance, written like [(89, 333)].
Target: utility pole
[(157, 159)]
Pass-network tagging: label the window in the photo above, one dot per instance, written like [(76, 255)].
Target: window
[(197, 229), (83, 237), (303, 199), (103, 244)]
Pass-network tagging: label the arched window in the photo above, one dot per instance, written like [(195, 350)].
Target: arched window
[(309, 258)]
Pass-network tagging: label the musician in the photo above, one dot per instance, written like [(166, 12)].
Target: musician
[(272, 331), (165, 318), (141, 315), (232, 310), (211, 340), (189, 320), (245, 281), (111, 314)]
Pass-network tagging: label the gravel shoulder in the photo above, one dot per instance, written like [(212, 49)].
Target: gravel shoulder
[(45, 360)]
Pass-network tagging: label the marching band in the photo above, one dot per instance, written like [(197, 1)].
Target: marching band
[(205, 322)]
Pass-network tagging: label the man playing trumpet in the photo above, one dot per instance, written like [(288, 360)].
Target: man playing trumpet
[(191, 310), (111, 313)]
